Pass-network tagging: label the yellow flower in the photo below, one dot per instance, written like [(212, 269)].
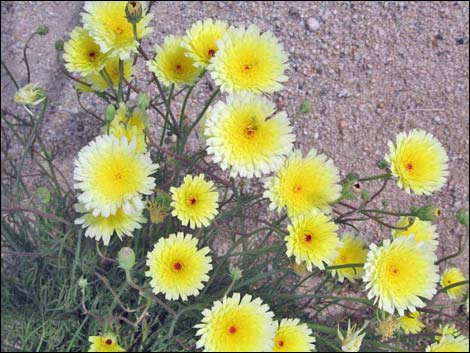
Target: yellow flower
[(387, 326), (200, 40), (451, 276), (172, 65), (446, 330), (98, 83), (109, 27), (291, 336), (249, 61), (195, 201), (411, 324), (107, 342), (241, 137), (418, 161), (112, 175), (82, 54), (353, 339), (304, 183), (131, 125), (237, 325), (400, 273), (100, 227), (421, 230), (450, 344), (352, 250), (312, 239), (177, 268), (30, 94)]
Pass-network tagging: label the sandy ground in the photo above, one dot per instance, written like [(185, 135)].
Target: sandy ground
[(370, 70)]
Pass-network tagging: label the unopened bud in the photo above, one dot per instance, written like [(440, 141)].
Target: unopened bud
[(134, 11), (299, 269), (383, 164), (30, 94), (462, 217), (143, 101), (59, 45), (126, 258), (42, 30), (235, 273), (109, 114), (82, 282), (427, 213)]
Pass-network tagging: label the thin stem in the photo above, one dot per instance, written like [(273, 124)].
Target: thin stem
[(352, 265), (375, 177), (52, 217), (86, 110), (229, 288), (120, 96), (104, 74), (25, 57), (454, 285), (396, 214), (115, 295), (10, 75)]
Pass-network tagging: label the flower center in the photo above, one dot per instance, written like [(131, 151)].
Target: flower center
[(211, 52), (308, 237), (93, 56), (297, 188), (192, 200), (280, 343), (250, 130), (177, 266), (179, 69), (232, 329), (119, 29), (109, 341), (247, 67), (409, 166), (343, 258), (394, 271)]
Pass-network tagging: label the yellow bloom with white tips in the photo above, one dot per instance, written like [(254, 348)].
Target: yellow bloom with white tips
[(201, 40), (195, 201), (109, 27), (419, 162), (352, 250), (131, 125), (172, 65), (30, 94), (82, 54), (421, 230), (112, 175), (313, 239), (102, 228), (400, 273), (304, 183), (237, 324), (451, 276), (177, 267), (446, 330), (248, 60), (292, 336), (242, 136), (450, 344), (411, 324), (98, 83), (107, 342)]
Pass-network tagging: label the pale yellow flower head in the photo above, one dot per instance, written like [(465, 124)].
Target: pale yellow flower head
[(109, 27), (98, 83), (237, 324), (102, 228), (201, 40), (112, 175), (195, 201), (30, 94), (107, 342), (240, 137), (292, 336), (399, 274), (387, 326), (421, 230), (419, 162), (131, 125), (313, 239), (82, 54), (172, 65), (352, 341), (446, 330), (451, 276), (411, 324), (177, 268), (303, 183), (352, 250), (450, 344), (248, 60)]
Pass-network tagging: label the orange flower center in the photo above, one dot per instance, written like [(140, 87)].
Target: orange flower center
[(280, 343), (192, 200), (93, 56), (179, 69), (177, 266), (232, 330), (211, 52), (409, 166), (308, 237), (109, 341), (297, 188)]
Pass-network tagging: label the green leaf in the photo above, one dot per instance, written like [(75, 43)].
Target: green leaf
[(43, 195)]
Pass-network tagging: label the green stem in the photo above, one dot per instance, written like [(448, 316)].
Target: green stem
[(104, 74), (353, 265), (25, 57), (120, 96), (397, 214), (375, 177), (229, 288), (454, 285), (10, 75)]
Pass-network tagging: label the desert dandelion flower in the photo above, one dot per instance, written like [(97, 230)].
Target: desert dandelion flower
[(195, 201), (30, 94), (82, 54), (451, 276), (446, 330), (98, 83), (313, 239), (352, 250), (421, 230), (450, 344), (130, 124), (237, 324), (107, 342), (292, 336), (241, 137), (399, 273), (109, 27), (102, 228), (172, 65), (304, 183), (419, 162), (177, 267), (111, 175), (201, 40), (411, 324), (248, 60)]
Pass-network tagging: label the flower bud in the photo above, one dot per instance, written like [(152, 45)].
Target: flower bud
[(462, 217), (383, 164), (305, 107), (134, 11), (427, 213), (42, 30), (82, 282), (387, 327), (59, 45), (126, 258), (109, 114), (235, 273), (143, 101), (299, 269), (30, 94), (353, 339)]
